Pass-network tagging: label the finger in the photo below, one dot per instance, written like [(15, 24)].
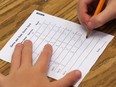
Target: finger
[(44, 59), (69, 80), (82, 11), (106, 15), (16, 58), (1, 77), (27, 54)]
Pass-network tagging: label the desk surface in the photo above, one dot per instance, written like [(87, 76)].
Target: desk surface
[(14, 12)]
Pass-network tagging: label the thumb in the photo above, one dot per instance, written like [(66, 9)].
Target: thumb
[(1, 79), (98, 20), (69, 80)]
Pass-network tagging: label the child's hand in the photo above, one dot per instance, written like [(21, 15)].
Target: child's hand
[(24, 74), (92, 22)]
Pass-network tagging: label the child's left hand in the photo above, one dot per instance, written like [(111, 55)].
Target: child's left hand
[(24, 74)]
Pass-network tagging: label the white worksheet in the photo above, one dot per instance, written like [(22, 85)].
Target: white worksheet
[(71, 49)]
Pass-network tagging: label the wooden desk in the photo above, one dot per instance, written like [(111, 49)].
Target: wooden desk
[(14, 12)]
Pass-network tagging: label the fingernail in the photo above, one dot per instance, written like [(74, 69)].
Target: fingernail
[(91, 26), (78, 74), (27, 41), (19, 44)]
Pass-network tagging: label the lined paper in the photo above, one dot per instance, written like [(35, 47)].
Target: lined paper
[(71, 49)]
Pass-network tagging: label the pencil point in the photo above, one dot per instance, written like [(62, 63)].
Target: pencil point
[(86, 36), (88, 33)]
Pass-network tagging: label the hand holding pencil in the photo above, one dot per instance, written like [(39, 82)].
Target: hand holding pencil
[(97, 11), (96, 20)]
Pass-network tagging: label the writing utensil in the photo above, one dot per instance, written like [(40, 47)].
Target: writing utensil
[(97, 11)]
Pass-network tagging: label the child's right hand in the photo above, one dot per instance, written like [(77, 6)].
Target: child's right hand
[(92, 22)]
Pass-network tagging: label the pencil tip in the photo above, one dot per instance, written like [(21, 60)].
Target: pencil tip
[(86, 36)]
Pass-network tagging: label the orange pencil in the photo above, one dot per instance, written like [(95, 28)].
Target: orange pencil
[(99, 7), (97, 11)]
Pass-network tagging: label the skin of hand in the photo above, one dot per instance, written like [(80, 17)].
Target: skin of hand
[(25, 74), (92, 22)]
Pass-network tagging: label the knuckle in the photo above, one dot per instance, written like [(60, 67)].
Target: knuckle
[(99, 20)]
